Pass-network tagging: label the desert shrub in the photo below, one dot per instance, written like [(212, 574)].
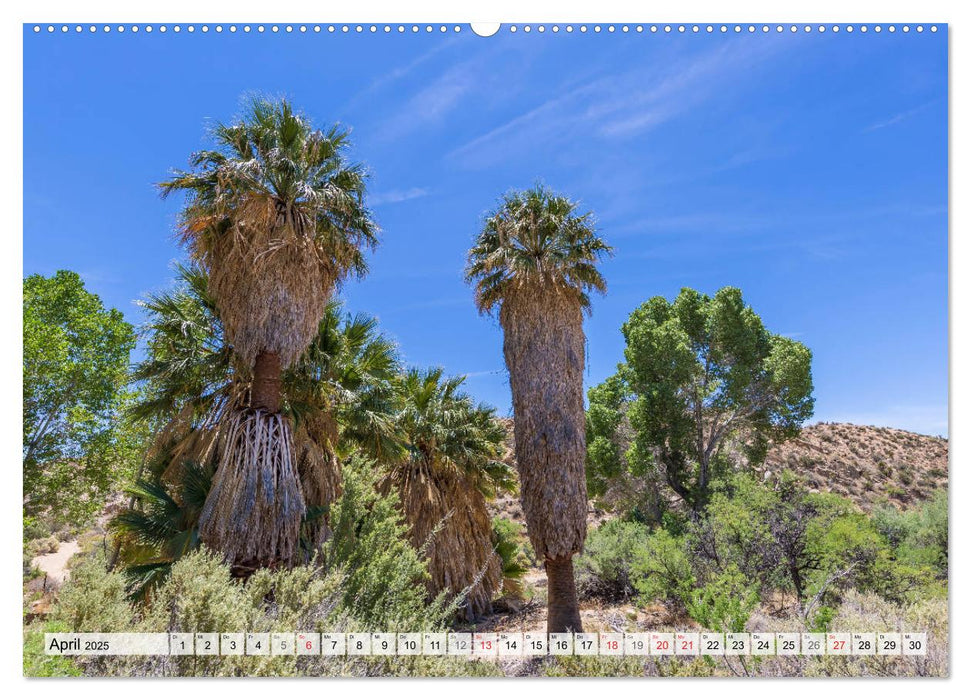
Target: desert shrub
[(510, 548), (46, 545), (93, 599), (724, 604), (918, 535), (735, 529), (868, 612), (896, 492), (661, 569), (384, 577), (39, 664), (603, 570), (200, 595), (35, 528)]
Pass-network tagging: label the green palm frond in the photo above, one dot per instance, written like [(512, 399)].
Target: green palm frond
[(163, 525), (444, 430), (188, 361), (535, 240)]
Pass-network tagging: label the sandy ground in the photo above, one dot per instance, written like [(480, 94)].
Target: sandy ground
[(55, 565)]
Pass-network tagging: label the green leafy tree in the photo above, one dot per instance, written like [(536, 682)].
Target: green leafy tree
[(75, 363), (700, 374)]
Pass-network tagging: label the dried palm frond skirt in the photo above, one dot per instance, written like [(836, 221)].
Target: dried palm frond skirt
[(255, 508), (544, 350), (449, 518), (270, 283), (319, 469)]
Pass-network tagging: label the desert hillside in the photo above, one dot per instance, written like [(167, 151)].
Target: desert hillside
[(864, 463)]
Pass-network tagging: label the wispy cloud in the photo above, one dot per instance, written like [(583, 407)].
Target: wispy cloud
[(617, 106), (433, 103), (396, 196), (483, 373), (398, 73), (897, 118)]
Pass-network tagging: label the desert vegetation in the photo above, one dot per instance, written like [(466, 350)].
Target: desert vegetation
[(270, 463)]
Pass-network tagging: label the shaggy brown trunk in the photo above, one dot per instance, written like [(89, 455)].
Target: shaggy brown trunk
[(267, 379), (544, 351), (461, 553), (564, 611)]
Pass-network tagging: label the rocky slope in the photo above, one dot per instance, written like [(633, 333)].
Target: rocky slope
[(864, 463)]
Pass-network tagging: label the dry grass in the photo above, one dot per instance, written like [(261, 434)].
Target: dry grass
[(254, 510)]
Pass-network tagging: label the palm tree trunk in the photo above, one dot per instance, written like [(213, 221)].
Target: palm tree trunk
[(563, 610), (543, 346), (267, 380)]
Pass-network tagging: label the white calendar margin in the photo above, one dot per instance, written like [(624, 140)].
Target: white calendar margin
[(11, 646)]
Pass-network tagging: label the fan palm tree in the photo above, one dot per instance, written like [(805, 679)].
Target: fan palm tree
[(451, 468), (164, 528), (536, 260), (276, 217), (340, 394)]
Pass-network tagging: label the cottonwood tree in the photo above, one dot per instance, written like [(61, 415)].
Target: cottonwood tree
[(701, 375), (75, 362)]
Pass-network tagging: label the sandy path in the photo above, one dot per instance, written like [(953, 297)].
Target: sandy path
[(55, 565)]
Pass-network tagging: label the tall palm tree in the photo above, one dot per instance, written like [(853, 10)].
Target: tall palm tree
[(451, 468), (536, 260), (340, 394), (276, 217)]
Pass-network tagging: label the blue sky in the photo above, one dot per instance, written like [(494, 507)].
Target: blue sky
[(808, 169)]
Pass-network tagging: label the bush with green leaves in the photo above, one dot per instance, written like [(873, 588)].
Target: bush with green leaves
[(93, 599), (662, 568), (383, 575), (725, 603), (510, 545), (918, 535), (735, 530), (603, 570)]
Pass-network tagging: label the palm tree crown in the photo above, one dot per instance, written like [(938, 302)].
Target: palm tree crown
[(451, 466), (277, 216), (535, 241), (444, 431)]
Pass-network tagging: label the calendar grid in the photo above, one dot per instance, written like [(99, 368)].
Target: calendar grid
[(487, 645)]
